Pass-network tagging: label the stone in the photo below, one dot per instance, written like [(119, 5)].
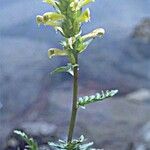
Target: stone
[(139, 96), (142, 31), (42, 132)]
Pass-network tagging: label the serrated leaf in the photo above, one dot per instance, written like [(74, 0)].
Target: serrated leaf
[(86, 146), (68, 68), (82, 101), (32, 145), (75, 144)]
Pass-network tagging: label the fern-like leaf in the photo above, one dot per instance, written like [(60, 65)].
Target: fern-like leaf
[(76, 144), (32, 145), (95, 98)]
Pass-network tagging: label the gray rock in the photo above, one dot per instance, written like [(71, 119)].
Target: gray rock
[(41, 132), (142, 31), (145, 132), (1, 105), (139, 96), (141, 147), (38, 128)]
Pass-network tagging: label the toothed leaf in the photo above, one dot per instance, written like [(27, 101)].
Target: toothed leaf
[(75, 144), (95, 98), (32, 145)]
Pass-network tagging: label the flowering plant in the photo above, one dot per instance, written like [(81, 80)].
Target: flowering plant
[(67, 19)]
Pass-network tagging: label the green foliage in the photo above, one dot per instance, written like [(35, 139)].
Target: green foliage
[(77, 144), (68, 68), (32, 145), (95, 98)]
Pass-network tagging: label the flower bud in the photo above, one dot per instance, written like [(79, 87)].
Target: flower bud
[(75, 5), (39, 19)]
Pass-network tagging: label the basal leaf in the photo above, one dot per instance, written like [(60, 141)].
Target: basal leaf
[(32, 145)]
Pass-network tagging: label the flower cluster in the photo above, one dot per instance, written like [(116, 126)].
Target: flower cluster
[(67, 19)]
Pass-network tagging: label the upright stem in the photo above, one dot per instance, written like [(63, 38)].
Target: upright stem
[(74, 104)]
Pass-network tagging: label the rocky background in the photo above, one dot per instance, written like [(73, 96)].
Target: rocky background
[(33, 101)]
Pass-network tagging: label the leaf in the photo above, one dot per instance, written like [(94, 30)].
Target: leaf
[(32, 145), (85, 45), (86, 146), (95, 98), (68, 68), (75, 144), (56, 52)]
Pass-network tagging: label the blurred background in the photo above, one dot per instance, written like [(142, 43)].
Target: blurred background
[(38, 104)]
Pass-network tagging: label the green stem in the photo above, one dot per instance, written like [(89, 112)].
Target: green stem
[(74, 104)]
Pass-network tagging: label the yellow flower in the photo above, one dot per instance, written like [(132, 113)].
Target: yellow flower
[(51, 2), (85, 2), (52, 16), (78, 4), (75, 5), (85, 16)]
